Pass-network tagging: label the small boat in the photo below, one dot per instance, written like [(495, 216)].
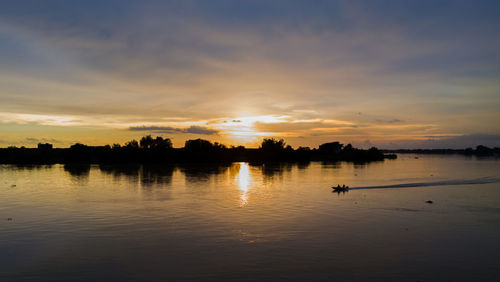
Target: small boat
[(339, 188)]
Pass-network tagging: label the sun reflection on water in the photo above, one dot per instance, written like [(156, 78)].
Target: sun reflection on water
[(243, 179)]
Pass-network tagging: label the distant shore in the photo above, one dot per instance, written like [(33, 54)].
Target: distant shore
[(160, 150), (478, 151)]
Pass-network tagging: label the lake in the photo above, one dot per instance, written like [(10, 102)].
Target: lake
[(245, 222)]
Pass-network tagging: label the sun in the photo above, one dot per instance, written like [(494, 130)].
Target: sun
[(241, 129)]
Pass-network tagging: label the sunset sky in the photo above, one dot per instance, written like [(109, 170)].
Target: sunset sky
[(391, 74)]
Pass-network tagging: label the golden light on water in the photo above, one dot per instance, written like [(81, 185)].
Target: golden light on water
[(243, 179)]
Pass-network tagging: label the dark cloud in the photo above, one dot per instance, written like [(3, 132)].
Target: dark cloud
[(52, 140), (200, 130), (41, 140), (389, 121), (173, 130)]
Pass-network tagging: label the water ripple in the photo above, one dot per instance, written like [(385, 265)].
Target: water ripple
[(484, 180)]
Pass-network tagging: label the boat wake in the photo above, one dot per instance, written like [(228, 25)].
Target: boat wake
[(485, 180)]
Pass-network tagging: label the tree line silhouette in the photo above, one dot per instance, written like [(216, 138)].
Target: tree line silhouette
[(160, 150), (481, 151)]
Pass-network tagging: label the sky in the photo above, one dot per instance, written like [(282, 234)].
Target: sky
[(391, 74)]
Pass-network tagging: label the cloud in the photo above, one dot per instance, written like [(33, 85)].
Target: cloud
[(389, 121), (200, 130), (173, 130), (301, 126), (41, 140)]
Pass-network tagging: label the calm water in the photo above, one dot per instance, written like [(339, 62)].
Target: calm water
[(243, 222)]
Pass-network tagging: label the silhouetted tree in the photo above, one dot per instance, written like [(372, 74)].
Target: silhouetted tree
[(78, 146), (198, 145), (347, 148), (330, 148), (162, 144), (132, 144), (483, 151), (219, 146), (78, 153), (272, 145), (146, 142), (272, 149)]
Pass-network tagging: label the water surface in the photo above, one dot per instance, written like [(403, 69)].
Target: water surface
[(244, 222)]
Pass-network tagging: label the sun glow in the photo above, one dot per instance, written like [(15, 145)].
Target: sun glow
[(242, 128)]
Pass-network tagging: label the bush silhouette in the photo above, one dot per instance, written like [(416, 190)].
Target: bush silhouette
[(272, 145), (147, 142), (198, 145)]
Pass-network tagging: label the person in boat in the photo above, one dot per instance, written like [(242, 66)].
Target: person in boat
[(339, 188)]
